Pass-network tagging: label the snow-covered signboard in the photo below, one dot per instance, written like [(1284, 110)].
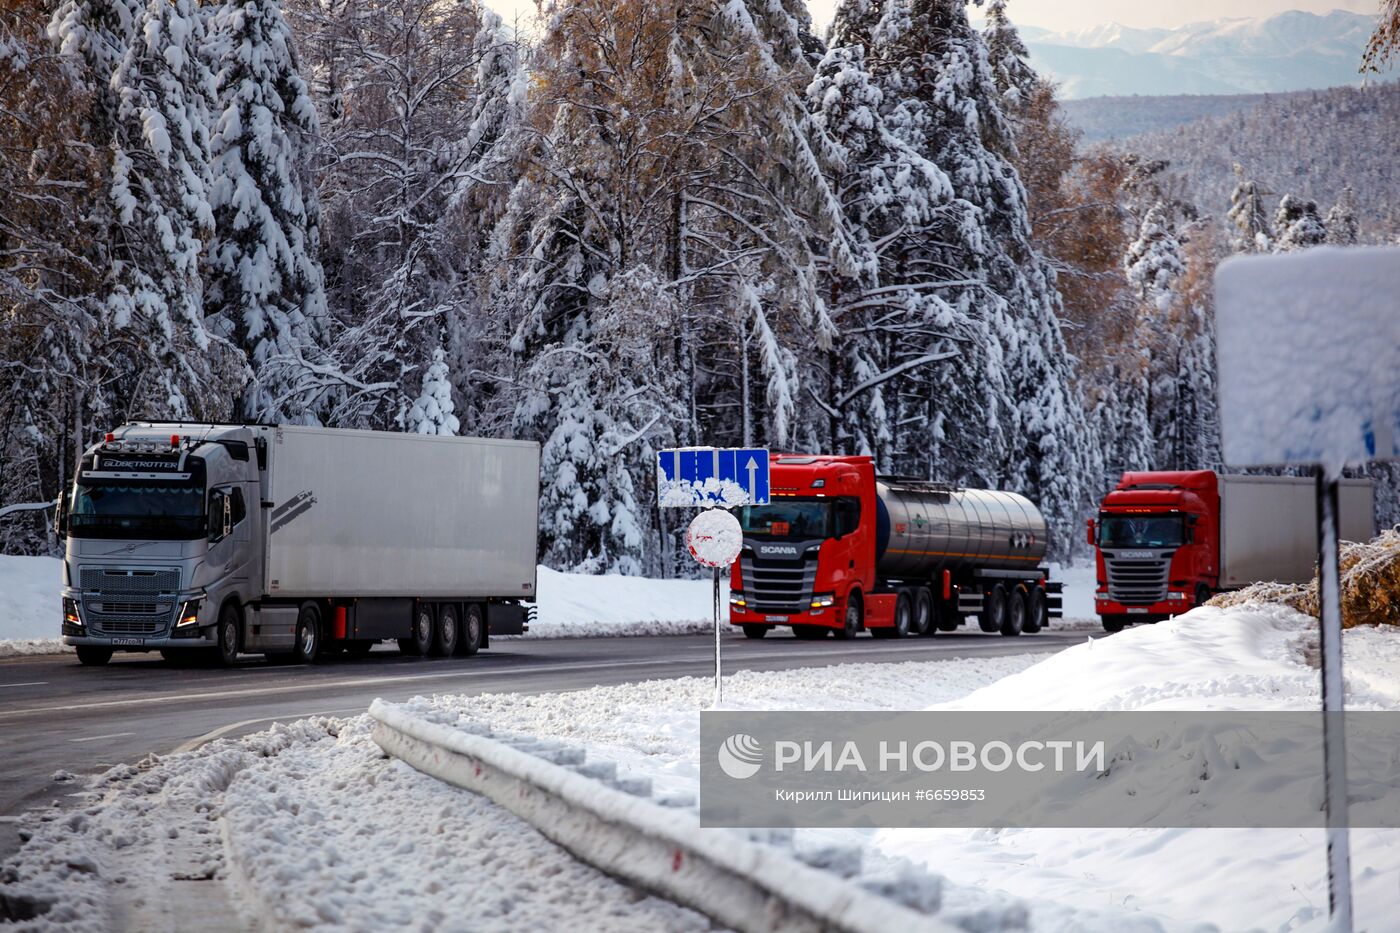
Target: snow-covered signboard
[(712, 477), (1309, 357)]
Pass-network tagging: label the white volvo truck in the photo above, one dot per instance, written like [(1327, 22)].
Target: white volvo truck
[(212, 540)]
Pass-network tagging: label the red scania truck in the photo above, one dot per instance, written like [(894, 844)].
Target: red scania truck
[(839, 550), (1168, 541)]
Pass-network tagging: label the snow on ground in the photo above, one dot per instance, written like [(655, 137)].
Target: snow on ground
[(29, 606), (1246, 658), (305, 826)]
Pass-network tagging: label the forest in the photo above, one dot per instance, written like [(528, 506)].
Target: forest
[(636, 224)]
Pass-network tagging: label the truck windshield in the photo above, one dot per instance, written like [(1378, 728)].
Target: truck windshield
[(1141, 531), (165, 511), (788, 518)]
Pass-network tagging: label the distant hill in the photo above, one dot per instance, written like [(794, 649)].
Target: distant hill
[(1310, 144), (1287, 52), (1105, 118)]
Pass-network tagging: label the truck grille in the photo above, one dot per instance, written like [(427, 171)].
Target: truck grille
[(129, 602), (1138, 581), (778, 586)]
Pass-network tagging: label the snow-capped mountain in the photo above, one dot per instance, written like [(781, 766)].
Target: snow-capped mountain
[(1286, 52)]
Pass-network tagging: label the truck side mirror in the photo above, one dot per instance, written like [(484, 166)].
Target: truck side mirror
[(60, 517), (228, 517), (1093, 535), (219, 515)]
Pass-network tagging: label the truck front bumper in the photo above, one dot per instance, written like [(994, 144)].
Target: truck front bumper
[(1156, 612), (203, 638), (828, 617)]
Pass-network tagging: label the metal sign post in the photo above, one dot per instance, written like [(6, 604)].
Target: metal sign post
[(715, 479), (1334, 748), (1308, 351)]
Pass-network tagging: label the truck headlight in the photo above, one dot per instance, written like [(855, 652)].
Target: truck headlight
[(72, 619), (737, 599), (1176, 596), (822, 600), (189, 613)]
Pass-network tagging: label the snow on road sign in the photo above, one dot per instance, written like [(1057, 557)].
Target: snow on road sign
[(1309, 357), (714, 538), (726, 477)]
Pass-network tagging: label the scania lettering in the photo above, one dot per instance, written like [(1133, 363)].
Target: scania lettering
[(1168, 541), (213, 540), (838, 550)]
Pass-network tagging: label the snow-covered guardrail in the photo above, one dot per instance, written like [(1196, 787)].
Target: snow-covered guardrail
[(740, 884)]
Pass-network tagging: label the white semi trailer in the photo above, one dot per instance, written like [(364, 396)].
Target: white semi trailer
[(293, 541)]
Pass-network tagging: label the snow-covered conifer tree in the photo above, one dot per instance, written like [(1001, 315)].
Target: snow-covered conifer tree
[(264, 285), (1247, 215), (159, 190), (1007, 54), (432, 412), (1341, 220), (1298, 224)]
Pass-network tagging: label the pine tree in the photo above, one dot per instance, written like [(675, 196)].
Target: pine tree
[(432, 413), (1298, 225), (264, 286), (1005, 411), (1341, 220), (1008, 56), (159, 188), (1154, 267), (1247, 215)]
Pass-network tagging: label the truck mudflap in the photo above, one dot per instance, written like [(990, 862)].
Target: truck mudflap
[(508, 618)]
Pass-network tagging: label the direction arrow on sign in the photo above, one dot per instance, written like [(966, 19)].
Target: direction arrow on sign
[(724, 477)]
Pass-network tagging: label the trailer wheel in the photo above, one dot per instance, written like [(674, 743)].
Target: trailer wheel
[(473, 631), (420, 637), (922, 623), (1036, 617), (446, 633), (308, 637), (755, 631), (855, 616), (993, 617), (93, 655), (1015, 622), (949, 619)]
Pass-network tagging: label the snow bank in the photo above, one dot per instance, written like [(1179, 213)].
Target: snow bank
[(575, 605), (29, 606)]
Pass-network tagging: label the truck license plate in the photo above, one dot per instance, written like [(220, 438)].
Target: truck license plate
[(775, 618), (1141, 610), (128, 641)]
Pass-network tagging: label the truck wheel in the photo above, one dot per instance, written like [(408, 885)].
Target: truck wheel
[(1202, 594), (308, 637), (446, 632), (93, 655), (421, 639), (855, 616), (922, 623), (949, 620), (993, 617), (473, 630), (755, 631), (903, 618), (1036, 619), (226, 655), (1015, 622), (1113, 623)]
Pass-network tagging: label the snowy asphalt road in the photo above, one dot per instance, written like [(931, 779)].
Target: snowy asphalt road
[(58, 716)]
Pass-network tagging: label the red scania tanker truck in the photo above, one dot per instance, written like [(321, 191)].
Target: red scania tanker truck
[(838, 549)]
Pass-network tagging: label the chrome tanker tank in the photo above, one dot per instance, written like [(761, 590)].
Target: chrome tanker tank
[(924, 528)]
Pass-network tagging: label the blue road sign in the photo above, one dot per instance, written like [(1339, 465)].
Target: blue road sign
[(727, 477)]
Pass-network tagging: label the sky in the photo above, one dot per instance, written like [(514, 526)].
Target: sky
[(1060, 15)]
